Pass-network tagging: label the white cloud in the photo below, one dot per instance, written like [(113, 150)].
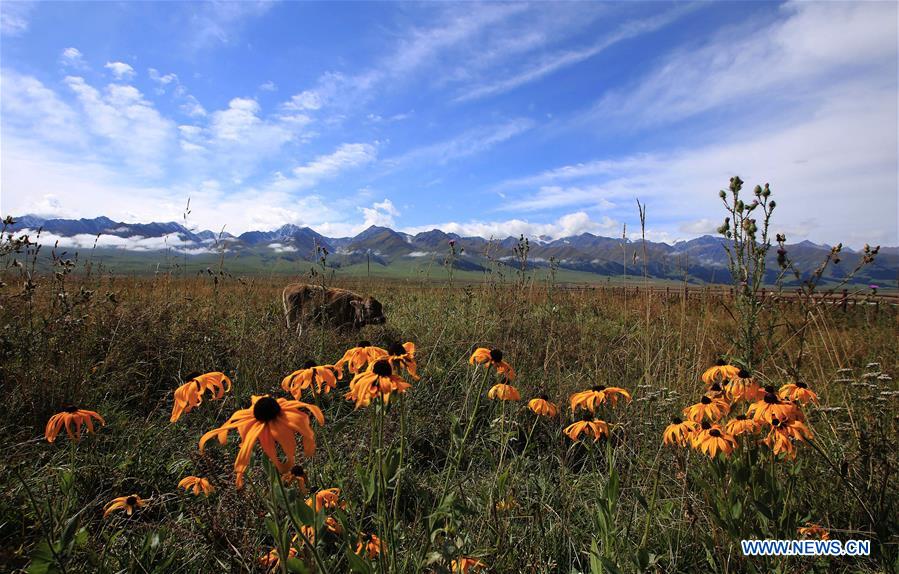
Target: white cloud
[(381, 214), (133, 243), (544, 65), (220, 22), (120, 70), (268, 86), (29, 107), (789, 60), (163, 79), (347, 156), (14, 16), (565, 226), (128, 122), (73, 58)]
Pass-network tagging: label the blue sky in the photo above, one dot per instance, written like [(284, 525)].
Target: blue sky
[(489, 119)]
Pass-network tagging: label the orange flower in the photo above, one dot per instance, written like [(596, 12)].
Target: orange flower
[(720, 372), (713, 440), (71, 418), (269, 421), (197, 485), (271, 560), (504, 393), (743, 387), (679, 431), (812, 530), (327, 498), (296, 475), (331, 526), (707, 407), (798, 392), (770, 407), (595, 428), (320, 375), (492, 358), (782, 435), (371, 546), (190, 394), (378, 381), (597, 395), (403, 356), (465, 564), (358, 357), (127, 503), (742, 425), (543, 407)]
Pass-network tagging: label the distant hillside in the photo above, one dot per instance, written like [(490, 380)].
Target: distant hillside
[(140, 247)]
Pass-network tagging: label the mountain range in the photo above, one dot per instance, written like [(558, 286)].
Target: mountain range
[(702, 259)]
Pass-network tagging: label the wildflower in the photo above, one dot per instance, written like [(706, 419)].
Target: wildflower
[(371, 545), (679, 431), (597, 395), (812, 530), (798, 392), (543, 407), (716, 391), (465, 564), (720, 372), (197, 485), (127, 503), (271, 560), (190, 394), (492, 358), (331, 526), (504, 393), (743, 387), (707, 407), (359, 357), (506, 504), (714, 440), (269, 421), (404, 356), (327, 498), (320, 375), (742, 425), (595, 428), (770, 407), (296, 475), (783, 433), (378, 380), (71, 418)]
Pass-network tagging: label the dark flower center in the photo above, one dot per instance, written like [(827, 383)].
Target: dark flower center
[(71, 409), (363, 344), (744, 374), (266, 409), (771, 398), (716, 387), (715, 433), (769, 388), (586, 416), (802, 385), (297, 470), (543, 398), (775, 422), (131, 500), (598, 388), (676, 420), (396, 349), (382, 369), (741, 417), (309, 364), (705, 425), (496, 355), (705, 401), (720, 363)]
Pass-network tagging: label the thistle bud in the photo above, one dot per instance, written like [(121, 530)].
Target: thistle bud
[(739, 206), (722, 194), (757, 190), (736, 184), (766, 192), (772, 204)]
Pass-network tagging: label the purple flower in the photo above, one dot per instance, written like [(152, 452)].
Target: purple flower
[(452, 242)]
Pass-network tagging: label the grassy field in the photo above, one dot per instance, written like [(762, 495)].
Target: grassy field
[(443, 472)]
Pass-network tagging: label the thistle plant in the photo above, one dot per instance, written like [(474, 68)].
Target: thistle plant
[(746, 229)]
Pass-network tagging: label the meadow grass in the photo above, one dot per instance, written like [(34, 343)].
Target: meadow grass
[(460, 475)]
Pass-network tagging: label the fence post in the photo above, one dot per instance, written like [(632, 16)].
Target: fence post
[(844, 300)]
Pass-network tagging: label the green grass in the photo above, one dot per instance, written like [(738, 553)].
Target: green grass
[(121, 345)]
